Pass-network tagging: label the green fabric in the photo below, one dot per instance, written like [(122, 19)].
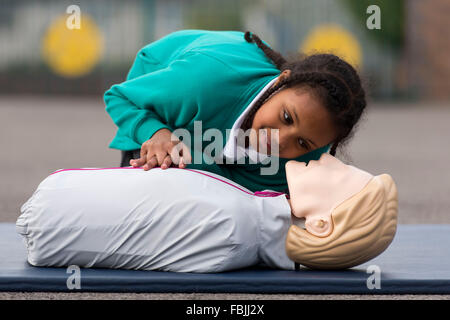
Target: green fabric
[(249, 175), (187, 76), (195, 75)]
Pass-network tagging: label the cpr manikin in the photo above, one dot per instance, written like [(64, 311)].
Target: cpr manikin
[(350, 215), (187, 220)]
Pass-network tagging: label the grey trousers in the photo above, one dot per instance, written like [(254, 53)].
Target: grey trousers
[(128, 155)]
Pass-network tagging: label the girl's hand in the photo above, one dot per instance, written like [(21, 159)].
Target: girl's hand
[(163, 149)]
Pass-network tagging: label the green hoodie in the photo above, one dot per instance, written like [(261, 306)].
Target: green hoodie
[(195, 75)]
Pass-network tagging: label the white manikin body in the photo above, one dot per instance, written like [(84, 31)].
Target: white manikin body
[(179, 220)]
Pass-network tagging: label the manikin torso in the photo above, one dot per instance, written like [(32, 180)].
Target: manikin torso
[(179, 220)]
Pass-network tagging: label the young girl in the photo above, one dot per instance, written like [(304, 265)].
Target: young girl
[(224, 80)]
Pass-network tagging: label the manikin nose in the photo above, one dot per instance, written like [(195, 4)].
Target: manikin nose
[(313, 163)]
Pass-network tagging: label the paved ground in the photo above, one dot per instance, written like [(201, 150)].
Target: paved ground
[(41, 135)]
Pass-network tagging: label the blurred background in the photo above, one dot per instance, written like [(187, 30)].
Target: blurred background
[(52, 80), (407, 58)]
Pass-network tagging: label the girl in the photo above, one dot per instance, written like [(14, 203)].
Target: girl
[(224, 80)]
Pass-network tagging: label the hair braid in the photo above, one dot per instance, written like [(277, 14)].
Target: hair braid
[(273, 55)]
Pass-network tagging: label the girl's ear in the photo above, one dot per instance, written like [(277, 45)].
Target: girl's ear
[(283, 75), (286, 73)]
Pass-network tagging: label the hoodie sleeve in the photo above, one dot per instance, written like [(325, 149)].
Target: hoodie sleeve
[(173, 95), (136, 105)]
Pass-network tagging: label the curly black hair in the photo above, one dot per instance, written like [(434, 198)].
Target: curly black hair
[(334, 81)]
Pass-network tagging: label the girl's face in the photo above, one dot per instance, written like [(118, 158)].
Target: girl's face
[(303, 123)]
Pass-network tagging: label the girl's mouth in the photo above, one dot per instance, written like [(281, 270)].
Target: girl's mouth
[(265, 139)]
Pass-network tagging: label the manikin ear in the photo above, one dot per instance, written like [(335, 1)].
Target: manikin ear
[(319, 226)]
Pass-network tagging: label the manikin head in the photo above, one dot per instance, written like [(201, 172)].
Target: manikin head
[(350, 215)]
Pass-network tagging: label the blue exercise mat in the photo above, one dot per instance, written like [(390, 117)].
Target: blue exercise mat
[(418, 261)]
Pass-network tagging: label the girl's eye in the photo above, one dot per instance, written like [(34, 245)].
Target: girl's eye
[(302, 143), (288, 120), (286, 117)]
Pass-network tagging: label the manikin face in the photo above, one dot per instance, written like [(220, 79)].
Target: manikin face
[(302, 121), (317, 188)]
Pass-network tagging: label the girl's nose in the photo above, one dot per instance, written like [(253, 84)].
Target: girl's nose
[(285, 138)]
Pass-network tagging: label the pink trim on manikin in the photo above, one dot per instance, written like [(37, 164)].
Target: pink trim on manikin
[(256, 193)]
